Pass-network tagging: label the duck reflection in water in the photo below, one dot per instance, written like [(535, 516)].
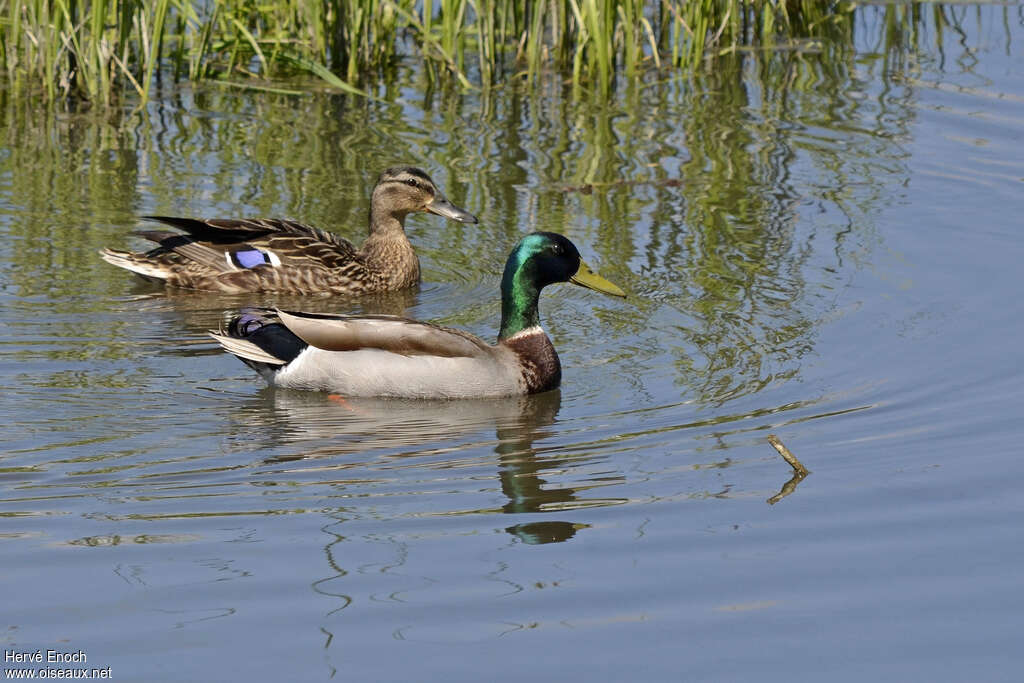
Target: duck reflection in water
[(387, 434), (520, 469)]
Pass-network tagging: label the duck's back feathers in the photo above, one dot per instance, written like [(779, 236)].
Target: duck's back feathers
[(384, 332), (232, 231), (208, 241)]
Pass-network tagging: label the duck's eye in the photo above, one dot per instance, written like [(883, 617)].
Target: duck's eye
[(412, 182)]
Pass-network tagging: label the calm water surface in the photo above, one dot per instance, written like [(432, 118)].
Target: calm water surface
[(820, 244)]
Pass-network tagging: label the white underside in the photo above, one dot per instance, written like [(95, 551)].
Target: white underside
[(372, 372)]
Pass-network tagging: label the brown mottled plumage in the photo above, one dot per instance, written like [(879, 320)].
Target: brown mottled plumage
[(274, 255)]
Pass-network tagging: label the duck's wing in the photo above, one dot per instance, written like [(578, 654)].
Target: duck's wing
[(384, 332), (226, 244)]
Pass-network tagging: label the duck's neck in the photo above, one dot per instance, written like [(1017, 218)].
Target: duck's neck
[(519, 296), (520, 327), (386, 223), (387, 250)]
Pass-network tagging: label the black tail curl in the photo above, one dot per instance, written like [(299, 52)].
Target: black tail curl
[(262, 327)]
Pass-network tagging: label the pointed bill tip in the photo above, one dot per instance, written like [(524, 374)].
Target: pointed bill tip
[(442, 207), (586, 277)]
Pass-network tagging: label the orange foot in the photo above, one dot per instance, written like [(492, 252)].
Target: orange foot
[(337, 398)]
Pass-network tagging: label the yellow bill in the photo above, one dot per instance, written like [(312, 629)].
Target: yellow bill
[(585, 277)]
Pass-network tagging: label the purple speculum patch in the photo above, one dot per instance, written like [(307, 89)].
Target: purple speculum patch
[(250, 258)]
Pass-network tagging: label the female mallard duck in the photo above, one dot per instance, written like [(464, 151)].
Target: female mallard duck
[(274, 255), (376, 355)]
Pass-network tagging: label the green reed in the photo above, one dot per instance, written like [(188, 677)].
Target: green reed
[(96, 50)]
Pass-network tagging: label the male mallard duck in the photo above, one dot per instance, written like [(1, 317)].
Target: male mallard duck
[(274, 255), (377, 355)]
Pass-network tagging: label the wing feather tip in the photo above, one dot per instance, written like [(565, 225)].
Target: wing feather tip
[(129, 261), (245, 349)]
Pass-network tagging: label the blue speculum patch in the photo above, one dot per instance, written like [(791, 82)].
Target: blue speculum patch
[(249, 258)]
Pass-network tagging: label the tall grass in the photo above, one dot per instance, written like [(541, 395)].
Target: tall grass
[(96, 50)]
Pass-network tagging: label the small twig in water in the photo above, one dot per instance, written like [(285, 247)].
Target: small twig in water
[(787, 456), (799, 471)]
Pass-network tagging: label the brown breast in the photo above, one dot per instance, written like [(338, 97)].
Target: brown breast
[(541, 368)]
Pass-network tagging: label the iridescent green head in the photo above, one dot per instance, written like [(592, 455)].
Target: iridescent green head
[(541, 259)]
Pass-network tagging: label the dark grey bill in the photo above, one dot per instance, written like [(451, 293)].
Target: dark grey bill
[(442, 207)]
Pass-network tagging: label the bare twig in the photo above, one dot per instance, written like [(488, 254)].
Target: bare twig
[(799, 471), (797, 466)]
